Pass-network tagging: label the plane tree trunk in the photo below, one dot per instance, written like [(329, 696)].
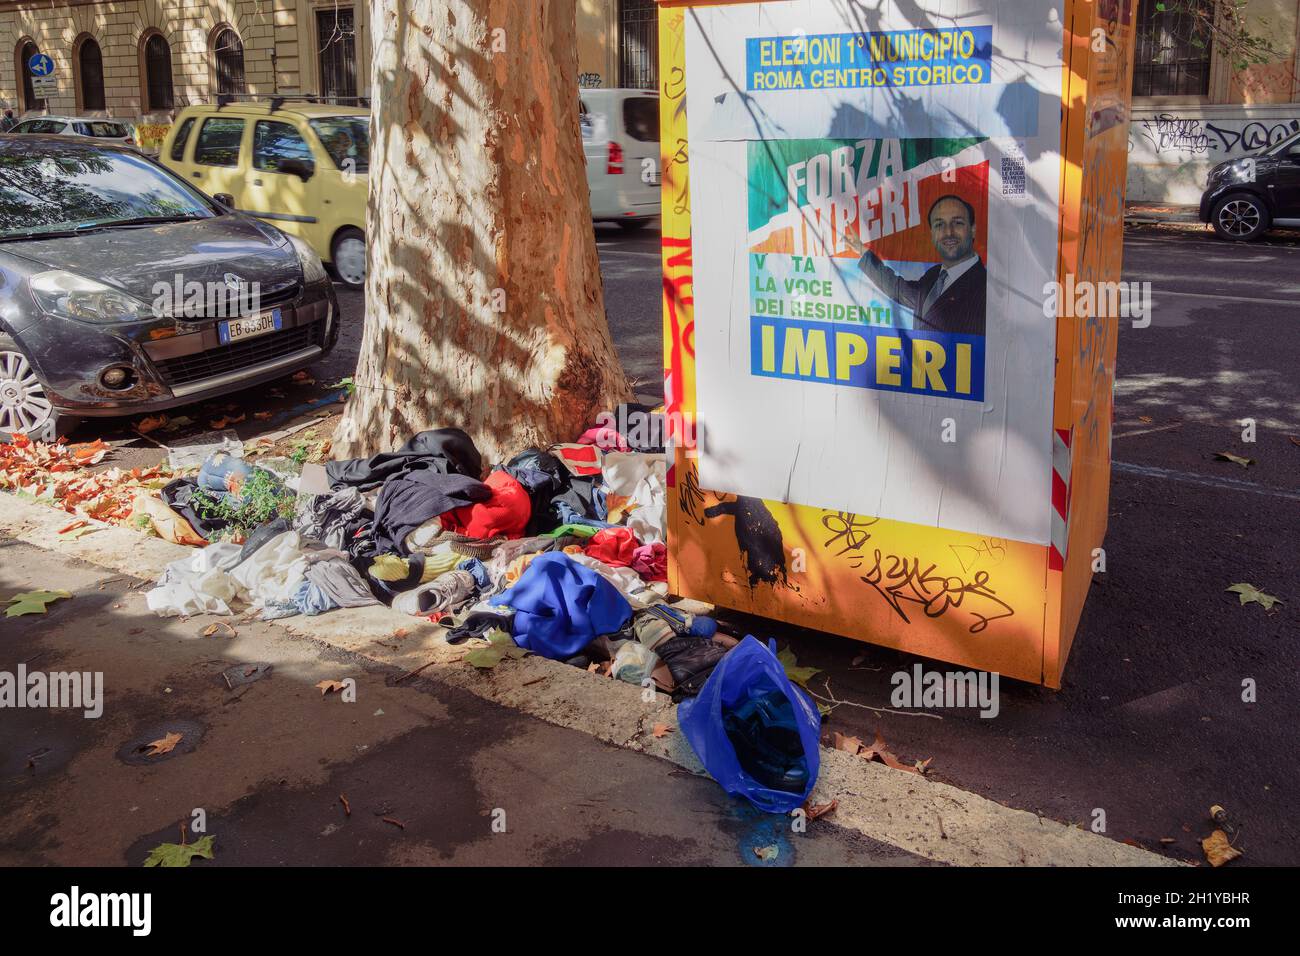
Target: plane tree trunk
[(484, 304)]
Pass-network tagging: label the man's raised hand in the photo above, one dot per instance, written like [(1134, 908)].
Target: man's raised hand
[(853, 242)]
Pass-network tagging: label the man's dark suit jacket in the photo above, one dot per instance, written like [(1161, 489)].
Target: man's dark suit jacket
[(959, 308)]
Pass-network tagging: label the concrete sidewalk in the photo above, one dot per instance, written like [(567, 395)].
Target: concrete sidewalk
[(1166, 214), (920, 816)]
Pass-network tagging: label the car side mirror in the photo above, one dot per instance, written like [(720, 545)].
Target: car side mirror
[(302, 168), (225, 199)]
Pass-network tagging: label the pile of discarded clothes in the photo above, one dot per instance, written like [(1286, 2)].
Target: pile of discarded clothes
[(562, 548)]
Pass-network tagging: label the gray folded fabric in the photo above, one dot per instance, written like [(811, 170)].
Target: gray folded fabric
[(341, 583), (326, 517)]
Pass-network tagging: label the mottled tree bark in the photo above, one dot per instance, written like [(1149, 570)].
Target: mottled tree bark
[(484, 306)]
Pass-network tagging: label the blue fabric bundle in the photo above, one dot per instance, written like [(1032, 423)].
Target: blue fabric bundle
[(561, 606)]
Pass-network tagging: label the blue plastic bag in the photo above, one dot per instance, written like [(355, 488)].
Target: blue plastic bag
[(748, 690)]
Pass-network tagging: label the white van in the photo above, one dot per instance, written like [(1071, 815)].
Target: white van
[(620, 138)]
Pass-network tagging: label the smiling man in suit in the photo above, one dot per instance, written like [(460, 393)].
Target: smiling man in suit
[(950, 296)]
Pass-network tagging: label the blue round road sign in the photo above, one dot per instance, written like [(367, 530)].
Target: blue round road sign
[(41, 65)]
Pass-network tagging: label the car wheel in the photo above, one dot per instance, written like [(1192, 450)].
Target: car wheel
[(633, 225), (349, 256), (1240, 218), (24, 406)]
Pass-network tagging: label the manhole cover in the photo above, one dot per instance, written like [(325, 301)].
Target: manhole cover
[(246, 673), (139, 750)]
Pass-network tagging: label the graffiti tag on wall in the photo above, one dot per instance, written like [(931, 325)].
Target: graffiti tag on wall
[(1170, 136)]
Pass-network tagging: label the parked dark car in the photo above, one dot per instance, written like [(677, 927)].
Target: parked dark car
[(1245, 197), (123, 289)]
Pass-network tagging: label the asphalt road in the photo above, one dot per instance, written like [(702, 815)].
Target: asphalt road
[(1150, 725)]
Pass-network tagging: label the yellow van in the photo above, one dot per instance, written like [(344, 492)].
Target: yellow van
[(299, 165)]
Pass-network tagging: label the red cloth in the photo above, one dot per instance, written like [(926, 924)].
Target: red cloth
[(606, 439), (651, 561), (505, 514), (581, 460), (614, 546)]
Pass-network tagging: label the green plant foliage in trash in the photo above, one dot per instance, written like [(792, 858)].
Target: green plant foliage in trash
[(180, 854), (33, 602), (262, 498), (346, 384), (1249, 593), (500, 646), (797, 674)]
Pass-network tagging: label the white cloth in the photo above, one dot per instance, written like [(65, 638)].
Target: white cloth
[(273, 572), (641, 478), (198, 584)]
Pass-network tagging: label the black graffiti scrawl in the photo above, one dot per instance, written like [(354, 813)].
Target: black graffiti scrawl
[(759, 537)]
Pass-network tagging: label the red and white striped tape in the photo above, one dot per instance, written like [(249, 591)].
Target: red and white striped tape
[(1062, 440)]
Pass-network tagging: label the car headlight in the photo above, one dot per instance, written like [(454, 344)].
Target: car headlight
[(313, 270), (76, 297)]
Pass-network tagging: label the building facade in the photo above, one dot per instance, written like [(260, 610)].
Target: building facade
[(142, 60)]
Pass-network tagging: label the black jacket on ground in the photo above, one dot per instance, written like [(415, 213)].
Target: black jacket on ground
[(443, 450)]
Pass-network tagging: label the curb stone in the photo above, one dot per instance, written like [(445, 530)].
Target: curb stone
[(930, 819)]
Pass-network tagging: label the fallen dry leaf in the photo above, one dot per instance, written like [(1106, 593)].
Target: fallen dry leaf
[(164, 746), (347, 807), (400, 633), (1235, 459), (1249, 593), (1218, 850), (397, 823), (150, 423), (213, 628), (878, 750), (262, 416), (1145, 419), (329, 686), (848, 744), (662, 730), (813, 811)]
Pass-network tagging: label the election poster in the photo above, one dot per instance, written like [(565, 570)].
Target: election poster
[(879, 429), (871, 258)]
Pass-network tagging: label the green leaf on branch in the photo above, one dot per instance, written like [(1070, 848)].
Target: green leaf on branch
[(180, 854)]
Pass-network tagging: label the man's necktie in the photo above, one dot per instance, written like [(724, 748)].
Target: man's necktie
[(936, 290)]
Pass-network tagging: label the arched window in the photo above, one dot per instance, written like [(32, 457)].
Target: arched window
[(26, 50), (90, 75), (158, 74), (228, 53)]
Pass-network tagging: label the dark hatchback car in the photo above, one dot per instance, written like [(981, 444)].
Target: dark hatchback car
[(1244, 197), (125, 290)]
